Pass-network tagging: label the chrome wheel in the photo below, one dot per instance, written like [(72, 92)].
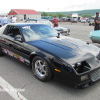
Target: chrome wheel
[(40, 68)]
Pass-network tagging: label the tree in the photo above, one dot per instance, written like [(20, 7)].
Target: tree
[(86, 15), (59, 15), (44, 14), (62, 15), (69, 16), (50, 14)]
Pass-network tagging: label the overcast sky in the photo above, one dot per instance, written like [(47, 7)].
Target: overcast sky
[(49, 5)]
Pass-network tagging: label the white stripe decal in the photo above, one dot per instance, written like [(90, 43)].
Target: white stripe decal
[(10, 90)]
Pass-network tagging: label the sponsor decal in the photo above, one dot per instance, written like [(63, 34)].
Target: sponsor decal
[(21, 59), (26, 27), (4, 50), (10, 53), (27, 61), (16, 56), (7, 50)]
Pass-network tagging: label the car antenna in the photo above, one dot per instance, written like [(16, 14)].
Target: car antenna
[(58, 35)]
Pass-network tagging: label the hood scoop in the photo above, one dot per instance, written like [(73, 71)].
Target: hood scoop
[(69, 42), (63, 43)]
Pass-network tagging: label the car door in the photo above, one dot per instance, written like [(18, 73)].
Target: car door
[(12, 45)]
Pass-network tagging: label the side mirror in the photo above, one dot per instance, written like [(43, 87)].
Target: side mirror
[(18, 39)]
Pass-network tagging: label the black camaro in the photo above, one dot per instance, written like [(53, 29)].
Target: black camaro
[(49, 53)]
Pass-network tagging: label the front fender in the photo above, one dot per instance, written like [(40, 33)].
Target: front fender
[(46, 56)]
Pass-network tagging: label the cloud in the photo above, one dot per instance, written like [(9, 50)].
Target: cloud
[(51, 5)]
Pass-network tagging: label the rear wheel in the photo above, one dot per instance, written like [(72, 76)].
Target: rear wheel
[(1, 53), (41, 69)]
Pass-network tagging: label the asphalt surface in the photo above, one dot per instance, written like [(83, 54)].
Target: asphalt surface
[(20, 76)]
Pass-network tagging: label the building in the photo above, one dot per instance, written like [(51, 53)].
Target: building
[(23, 14)]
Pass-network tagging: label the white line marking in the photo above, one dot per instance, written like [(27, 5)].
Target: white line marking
[(11, 90)]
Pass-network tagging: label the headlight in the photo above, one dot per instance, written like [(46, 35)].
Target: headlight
[(73, 65), (85, 77), (78, 64)]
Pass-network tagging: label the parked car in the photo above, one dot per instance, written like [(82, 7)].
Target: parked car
[(50, 54), (63, 30), (91, 22), (95, 36), (63, 19), (83, 21)]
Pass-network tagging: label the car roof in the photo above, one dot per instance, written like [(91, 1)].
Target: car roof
[(24, 24)]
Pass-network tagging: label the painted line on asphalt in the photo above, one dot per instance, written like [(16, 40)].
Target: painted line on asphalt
[(10, 90)]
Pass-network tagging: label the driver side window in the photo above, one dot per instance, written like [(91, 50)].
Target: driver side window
[(12, 31)]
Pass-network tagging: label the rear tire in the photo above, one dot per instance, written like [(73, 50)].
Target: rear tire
[(1, 53), (41, 69)]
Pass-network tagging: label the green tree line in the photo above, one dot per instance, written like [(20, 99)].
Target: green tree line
[(83, 13), (62, 15), (50, 14)]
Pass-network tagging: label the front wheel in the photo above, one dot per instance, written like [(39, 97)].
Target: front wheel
[(41, 69)]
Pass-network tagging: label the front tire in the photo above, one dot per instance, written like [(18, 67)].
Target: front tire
[(41, 69)]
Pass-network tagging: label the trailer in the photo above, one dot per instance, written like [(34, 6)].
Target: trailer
[(75, 17)]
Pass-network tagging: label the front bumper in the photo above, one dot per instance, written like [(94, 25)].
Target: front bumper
[(94, 76), (75, 80), (84, 85), (65, 33)]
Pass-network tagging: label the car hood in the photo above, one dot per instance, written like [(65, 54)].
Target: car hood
[(68, 49)]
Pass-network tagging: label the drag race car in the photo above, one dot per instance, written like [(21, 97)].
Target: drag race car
[(51, 54)]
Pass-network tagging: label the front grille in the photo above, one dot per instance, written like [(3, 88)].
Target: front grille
[(95, 75)]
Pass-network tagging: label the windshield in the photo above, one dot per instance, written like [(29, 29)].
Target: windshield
[(35, 32), (47, 22)]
